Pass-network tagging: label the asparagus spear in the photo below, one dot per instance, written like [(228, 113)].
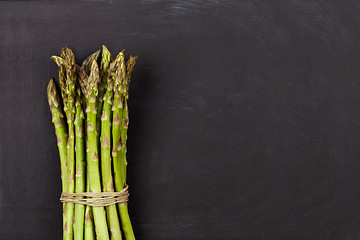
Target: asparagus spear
[(70, 114), (67, 73), (62, 78), (125, 218), (90, 91), (60, 131), (80, 168), (116, 130), (89, 229), (60, 126), (119, 150), (62, 81), (108, 186), (130, 64)]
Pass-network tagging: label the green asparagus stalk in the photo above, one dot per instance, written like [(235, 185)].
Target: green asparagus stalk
[(125, 218), (80, 168), (62, 81), (60, 132), (60, 126), (89, 219), (89, 228), (119, 148), (90, 91), (105, 138), (67, 73), (108, 186), (62, 78), (70, 114), (130, 64), (60, 61), (116, 121)]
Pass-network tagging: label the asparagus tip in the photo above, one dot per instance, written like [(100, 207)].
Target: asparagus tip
[(51, 89), (58, 60)]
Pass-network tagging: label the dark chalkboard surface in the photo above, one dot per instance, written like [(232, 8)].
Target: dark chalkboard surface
[(244, 115)]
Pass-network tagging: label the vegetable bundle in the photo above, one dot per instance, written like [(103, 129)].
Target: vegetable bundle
[(91, 120)]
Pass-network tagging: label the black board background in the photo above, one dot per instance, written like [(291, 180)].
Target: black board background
[(244, 115)]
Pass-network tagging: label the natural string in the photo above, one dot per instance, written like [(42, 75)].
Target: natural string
[(97, 199)]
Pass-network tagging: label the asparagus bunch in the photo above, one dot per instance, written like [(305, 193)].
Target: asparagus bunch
[(92, 140)]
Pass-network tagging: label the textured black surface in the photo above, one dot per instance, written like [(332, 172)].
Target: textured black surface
[(244, 115)]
